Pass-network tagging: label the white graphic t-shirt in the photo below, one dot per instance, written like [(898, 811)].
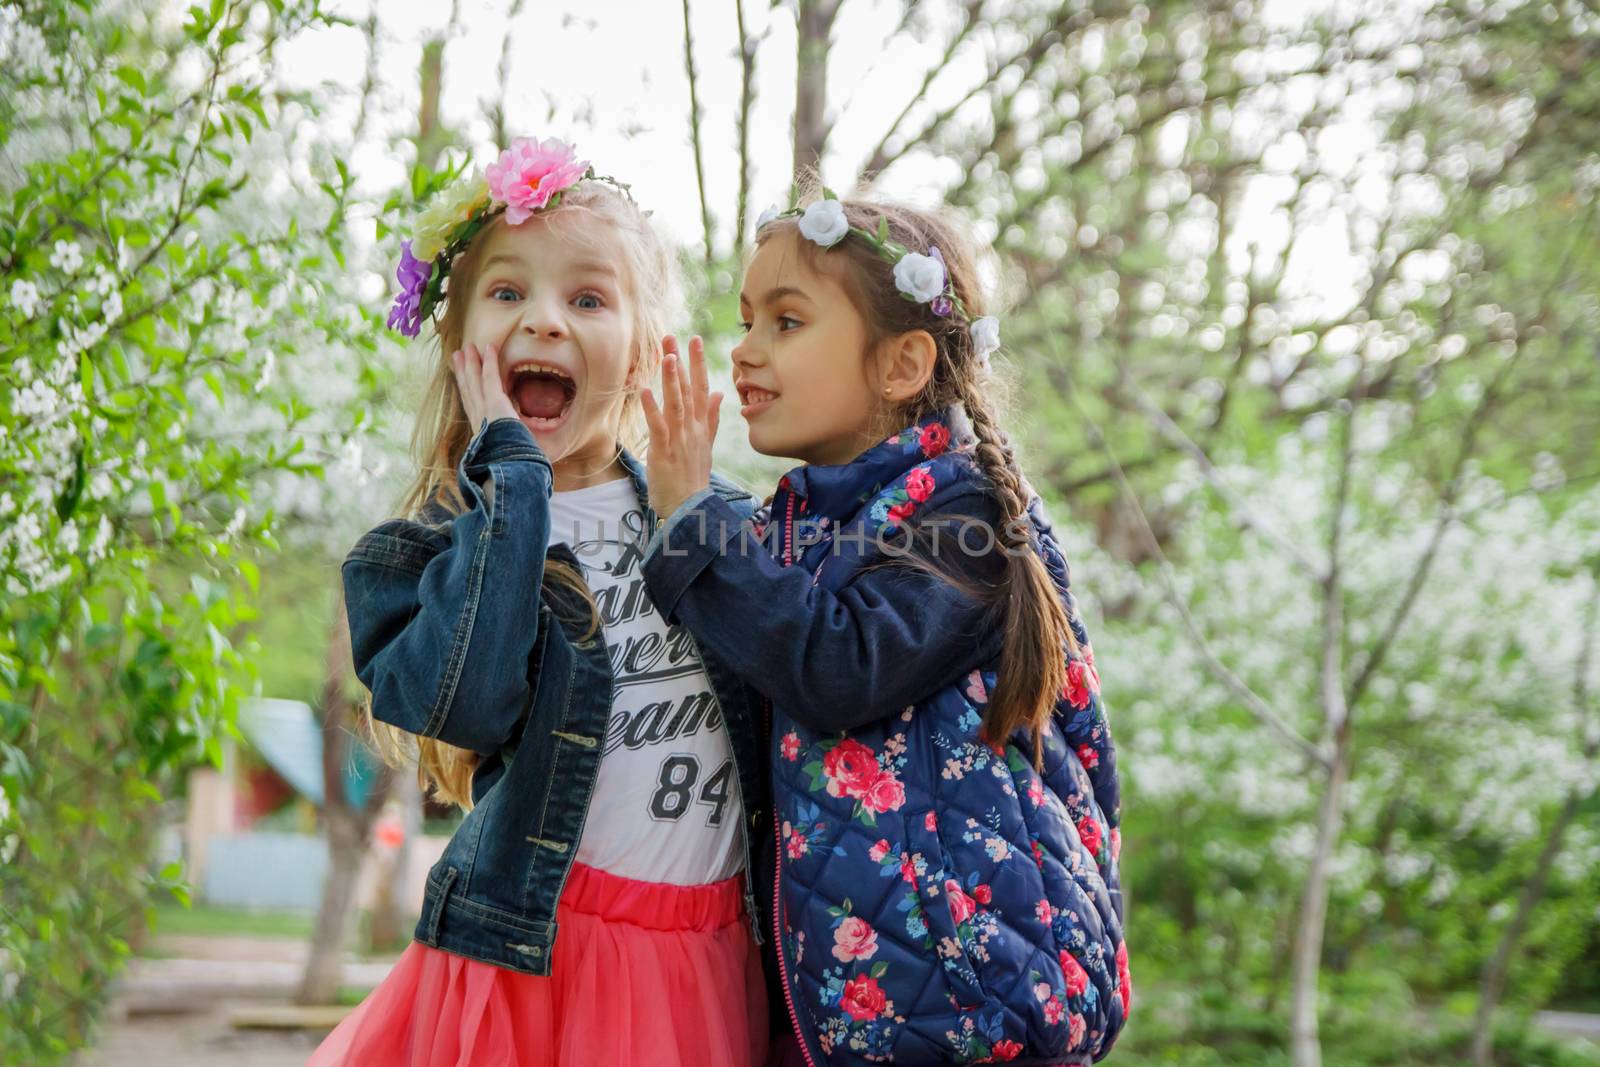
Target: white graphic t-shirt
[(666, 803)]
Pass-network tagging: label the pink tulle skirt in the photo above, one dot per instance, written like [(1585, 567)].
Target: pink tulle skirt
[(644, 973)]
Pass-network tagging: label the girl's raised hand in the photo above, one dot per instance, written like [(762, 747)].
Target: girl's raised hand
[(682, 428), (483, 394)]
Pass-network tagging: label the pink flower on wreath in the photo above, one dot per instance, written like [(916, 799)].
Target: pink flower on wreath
[(1054, 1010), (798, 845), (961, 905), (1044, 912), (1077, 1029), (863, 999), (532, 171), (790, 746), (1072, 972), (1088, 757), (851, 768), (1116, 844), (908, 869), (854, 940), (901, 512), (1006, 1050), (878, 851), (919, 485), (930, 821), (886, 793), (983, 894)]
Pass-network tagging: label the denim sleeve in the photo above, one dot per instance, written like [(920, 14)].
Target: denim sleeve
[(443, 620), (833, 660)]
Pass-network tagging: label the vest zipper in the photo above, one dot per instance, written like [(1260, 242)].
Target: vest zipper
[(777, 829)]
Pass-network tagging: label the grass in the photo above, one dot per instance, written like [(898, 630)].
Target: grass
[(205, 921)]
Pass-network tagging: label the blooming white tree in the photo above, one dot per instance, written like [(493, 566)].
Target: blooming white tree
[(181, 345)]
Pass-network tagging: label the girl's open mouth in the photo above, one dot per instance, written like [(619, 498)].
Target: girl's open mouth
[(542, 394), (754, 401)]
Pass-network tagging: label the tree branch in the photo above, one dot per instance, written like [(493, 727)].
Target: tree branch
[(747, 92), (880, 157), (694, 128), (1247, 515), (1236, 685)]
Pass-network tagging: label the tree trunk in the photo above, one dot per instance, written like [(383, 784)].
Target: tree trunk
[(347, 846), (1305, 1043), (1494, 973), (814, 25), (392, 918), (349, 828)]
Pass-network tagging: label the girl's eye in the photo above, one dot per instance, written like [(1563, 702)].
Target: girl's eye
[(787, 318), (494, 294), (744, 327), (588, 302)]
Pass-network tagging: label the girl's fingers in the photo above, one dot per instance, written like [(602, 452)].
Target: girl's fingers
[(699, 386), (672, 388), (653, 420), (713, 416)]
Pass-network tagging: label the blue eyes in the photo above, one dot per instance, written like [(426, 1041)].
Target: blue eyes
[(504, 294)]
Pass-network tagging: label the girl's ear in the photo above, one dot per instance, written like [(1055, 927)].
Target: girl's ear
[(906, 363)]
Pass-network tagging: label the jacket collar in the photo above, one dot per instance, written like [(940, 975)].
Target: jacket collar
[(839, 491)]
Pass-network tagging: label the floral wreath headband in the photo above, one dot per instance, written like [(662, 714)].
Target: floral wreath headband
[(921, 278), (529, 176)]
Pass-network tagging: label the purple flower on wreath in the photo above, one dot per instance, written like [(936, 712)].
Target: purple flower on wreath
[(413, 275)]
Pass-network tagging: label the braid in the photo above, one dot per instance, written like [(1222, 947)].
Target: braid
[(1038, 634)]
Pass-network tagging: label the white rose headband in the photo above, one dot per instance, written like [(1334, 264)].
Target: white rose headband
[(920, 278)]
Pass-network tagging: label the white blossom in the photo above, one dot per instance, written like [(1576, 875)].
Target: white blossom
[(67, 256), (25, 297)]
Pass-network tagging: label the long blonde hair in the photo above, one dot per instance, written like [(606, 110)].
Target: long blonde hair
[(442, 432)]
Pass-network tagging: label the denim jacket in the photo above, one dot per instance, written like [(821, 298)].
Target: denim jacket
[(936, 898), (455, 635)]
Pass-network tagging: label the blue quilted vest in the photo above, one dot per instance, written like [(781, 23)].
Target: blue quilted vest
[(938, 899)]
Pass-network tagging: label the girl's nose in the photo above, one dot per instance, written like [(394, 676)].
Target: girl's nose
[(542, 320), (744, 353)]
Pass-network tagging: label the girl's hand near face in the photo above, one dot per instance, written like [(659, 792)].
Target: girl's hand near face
[(483, 395), (682, 428)]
